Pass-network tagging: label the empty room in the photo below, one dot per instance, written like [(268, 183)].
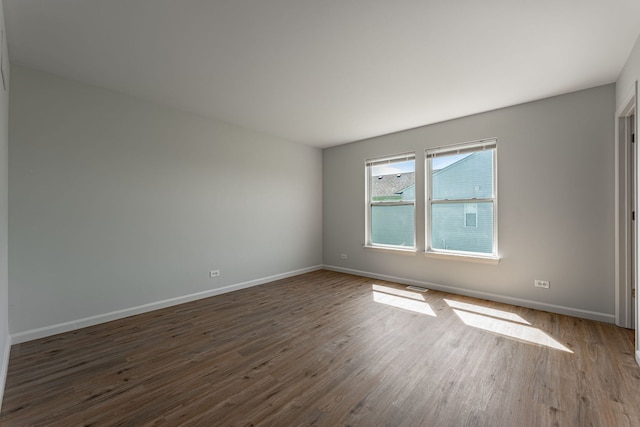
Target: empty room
[(328, 213)]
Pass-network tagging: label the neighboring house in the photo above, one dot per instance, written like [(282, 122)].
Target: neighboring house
[(393, 225), (464, 226), (397, 186), (455, 226)]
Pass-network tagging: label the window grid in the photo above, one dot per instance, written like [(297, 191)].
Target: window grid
[(390, 213), (474, 232)]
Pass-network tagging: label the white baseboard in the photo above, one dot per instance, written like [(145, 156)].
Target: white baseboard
[(4, 368), (638, 357), (46, 331), (553, 308)]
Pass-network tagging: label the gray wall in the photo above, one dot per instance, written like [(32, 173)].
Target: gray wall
[(628, 76), (556, 198), (116, 203), (4, 143)]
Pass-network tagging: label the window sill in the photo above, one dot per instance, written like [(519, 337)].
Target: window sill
[(463, 257), (391, 250)]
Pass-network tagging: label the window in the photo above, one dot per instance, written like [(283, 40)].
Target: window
[(461, 211), (471, 215), (391, 199)]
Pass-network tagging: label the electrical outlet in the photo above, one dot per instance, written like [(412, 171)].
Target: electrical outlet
[(214, 273), (541, 284), (343, 256)]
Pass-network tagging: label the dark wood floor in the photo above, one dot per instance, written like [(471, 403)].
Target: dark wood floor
[(329, 349)]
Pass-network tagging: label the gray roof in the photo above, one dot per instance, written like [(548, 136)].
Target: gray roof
[(389, 185)]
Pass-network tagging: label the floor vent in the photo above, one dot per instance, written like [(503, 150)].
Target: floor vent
[(417, 288)]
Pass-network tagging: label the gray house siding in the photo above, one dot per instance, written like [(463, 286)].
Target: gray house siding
[(451, 233), (393, 225), (468, 178)]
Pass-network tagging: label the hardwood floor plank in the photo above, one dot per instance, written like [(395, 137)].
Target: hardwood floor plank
[(329, 349)]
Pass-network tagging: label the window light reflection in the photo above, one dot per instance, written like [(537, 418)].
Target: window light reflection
[(505, 315), (513, 330), (405, 303), (398, 292)]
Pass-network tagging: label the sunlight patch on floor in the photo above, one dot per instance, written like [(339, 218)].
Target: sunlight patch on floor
[(505, 315), (517, 331), (399, 292), (405, 300)]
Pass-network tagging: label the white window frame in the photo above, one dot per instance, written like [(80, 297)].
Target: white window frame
[(467, 147), (369, 163)]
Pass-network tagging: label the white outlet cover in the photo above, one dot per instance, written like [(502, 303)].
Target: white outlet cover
[(541, 284)]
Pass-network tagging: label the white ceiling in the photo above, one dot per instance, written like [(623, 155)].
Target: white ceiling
[(327, 72)]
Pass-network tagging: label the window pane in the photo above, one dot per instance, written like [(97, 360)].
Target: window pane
[(471, 214), (471, 220), (392, 225), (463, 176), (393, 182), (448, 230)]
